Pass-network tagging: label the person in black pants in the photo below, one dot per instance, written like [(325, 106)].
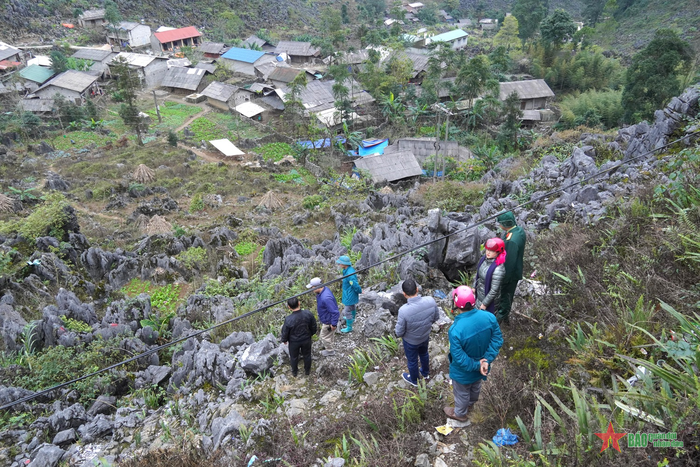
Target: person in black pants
[(297, 330)]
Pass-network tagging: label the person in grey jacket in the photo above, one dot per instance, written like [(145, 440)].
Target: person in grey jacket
[(489, 275), (414, 323)]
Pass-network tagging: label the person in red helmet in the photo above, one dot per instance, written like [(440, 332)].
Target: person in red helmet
[(475, 340), (489, 274)]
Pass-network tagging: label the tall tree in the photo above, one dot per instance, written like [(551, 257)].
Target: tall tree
[(508, 35), (593, 11), (128, 84), (59, 62), (112, 14), (512, 116), (474, 78), (653, 77), (557, 28), (530, 14)]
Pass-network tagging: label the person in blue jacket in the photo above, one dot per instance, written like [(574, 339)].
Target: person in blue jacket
[(328, 314), (475, 340), (351, 292)]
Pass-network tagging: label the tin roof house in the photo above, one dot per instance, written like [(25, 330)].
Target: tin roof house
[(213, 49), (298, 52), (151, 70), (245, 60), (390, 167), (174, 39), (282, 76), (37, 74), (225, 96), (92, 19), (184, 79), (9, 53), (257, 42), (456, 39), (534, 94), (99, 58), (73, 85), (129, 34)]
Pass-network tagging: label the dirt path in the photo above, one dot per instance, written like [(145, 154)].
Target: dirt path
[(92, 213), (193, 118), (202, 154)]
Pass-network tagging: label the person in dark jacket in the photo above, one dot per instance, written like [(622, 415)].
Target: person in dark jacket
[(413, 325), (489, 275), (351, 292), (328, 314), (297, 330), (475, 340), (515, 248)]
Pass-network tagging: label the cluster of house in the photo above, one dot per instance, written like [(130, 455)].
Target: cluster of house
[(263, 72)]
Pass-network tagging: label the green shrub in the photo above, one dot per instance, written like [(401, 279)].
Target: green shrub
[(197, 203), (592, 109), (194, 258), (245, 248), (310, 202), (453, 196), (166, 298), (76, 325), (48, 219), (136, 287), (172, 138)]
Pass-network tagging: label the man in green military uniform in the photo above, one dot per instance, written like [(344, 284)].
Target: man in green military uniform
[(515, 247)]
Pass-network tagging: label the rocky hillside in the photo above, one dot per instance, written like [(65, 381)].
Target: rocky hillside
[(227, 394)]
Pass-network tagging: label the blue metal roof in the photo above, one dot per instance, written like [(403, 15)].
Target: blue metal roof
[(243, 55), (449, 36)]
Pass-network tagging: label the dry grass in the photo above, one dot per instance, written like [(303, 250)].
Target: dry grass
[(271, 201), (158, 225), (144, 174), (7, 204)]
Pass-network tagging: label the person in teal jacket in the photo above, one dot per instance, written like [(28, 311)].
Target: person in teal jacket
[(475, 340), (351, 292), (515, 240)]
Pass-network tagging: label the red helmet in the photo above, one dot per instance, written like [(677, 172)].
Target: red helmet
[(463, 295), (495, 244)]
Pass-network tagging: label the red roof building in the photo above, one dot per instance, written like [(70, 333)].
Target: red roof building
[(169, 41)]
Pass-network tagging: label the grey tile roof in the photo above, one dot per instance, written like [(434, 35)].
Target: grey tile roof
[(212, 48), (91, 15), (390, 167), (273, 101), (96, 55), (285, 75), (7, 51), (320, 93), (302, 49), (72, 80), (219, 91), (183, 78), (530, 89), (210, 67), (419, 61), (255, 40)]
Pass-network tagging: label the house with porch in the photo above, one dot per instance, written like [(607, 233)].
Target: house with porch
[(256, 42), (75, 86), (128, 34), (297, 52), (172, 40), (92, 19), (150, 70), (213, 49), (455, 39), (534, 94), (180, 79)]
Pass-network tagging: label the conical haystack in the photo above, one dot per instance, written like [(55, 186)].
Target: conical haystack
[(7, 204), (158, 225), (143, 174), (386, 191), (270, 201)]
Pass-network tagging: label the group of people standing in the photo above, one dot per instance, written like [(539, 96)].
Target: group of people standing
[(475, 335)]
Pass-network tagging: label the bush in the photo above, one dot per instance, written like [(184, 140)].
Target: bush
[(197, 203), (172, 138), (592, 109), (194, 257), (245, 248), (453, 196), (275, 151), (48, 219), (310, 202)]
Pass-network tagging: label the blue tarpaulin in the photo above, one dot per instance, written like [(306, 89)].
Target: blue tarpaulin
[(504, 437), (320, 143), (372, 146), (430, 174)]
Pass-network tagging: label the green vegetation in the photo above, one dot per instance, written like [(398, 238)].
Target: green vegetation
[(193, 257), (49, 218), (76, 325), (453, 196), (275, 151), (310, 202), (592, 109), (245, 248), (197, 203), (163, 298)]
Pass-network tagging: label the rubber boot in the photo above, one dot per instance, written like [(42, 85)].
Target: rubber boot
[(354, 313), (348, 323)]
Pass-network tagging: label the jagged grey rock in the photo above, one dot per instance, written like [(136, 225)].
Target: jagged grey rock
[(70, 417), (47, 455), (152, 376), (100, 427), (11, 327), (104, 404), (237, 339), (259, 357), (223, 426), (65, 437)]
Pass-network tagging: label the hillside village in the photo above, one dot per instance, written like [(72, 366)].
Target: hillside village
[(164, 189)]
